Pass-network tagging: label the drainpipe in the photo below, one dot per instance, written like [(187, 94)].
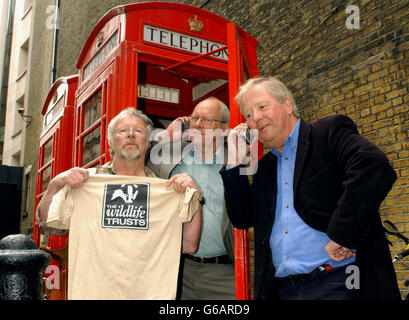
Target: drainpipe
[(203, 4), (56, 29)]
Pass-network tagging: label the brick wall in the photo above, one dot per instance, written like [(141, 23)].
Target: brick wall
[(362, 73)]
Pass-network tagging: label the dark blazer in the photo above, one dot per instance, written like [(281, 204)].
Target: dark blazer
[(340, 179)]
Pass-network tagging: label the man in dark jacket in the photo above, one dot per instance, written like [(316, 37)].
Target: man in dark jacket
[(313, 202)]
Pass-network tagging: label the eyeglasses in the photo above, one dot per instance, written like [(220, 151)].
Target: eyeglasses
[(207, 121), (124, 131)]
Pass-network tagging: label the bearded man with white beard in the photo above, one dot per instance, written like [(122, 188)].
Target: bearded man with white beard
[(128, 139)]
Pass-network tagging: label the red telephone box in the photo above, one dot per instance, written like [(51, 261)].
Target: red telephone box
[(162, 58), (55, 154), (55, 145)]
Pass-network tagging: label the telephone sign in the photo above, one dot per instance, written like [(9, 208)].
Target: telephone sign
[(176, 40)]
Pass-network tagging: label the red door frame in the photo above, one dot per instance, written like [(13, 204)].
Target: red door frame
[(238, 67)]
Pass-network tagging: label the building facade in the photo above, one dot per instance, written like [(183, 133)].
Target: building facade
[(15, 117)]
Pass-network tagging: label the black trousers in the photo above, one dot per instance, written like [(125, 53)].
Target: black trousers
[(330, 285)]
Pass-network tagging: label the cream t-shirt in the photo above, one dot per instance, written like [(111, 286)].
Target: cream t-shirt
[(125, 236)]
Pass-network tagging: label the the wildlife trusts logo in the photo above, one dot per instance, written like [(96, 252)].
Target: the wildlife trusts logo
[(126, 206)]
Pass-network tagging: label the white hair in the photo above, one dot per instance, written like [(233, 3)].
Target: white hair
[(128, 112), (276, 88)]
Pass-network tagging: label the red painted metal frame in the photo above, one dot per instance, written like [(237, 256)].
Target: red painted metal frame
[(194, 59), (239, 65), (240, 236), (60, 132)]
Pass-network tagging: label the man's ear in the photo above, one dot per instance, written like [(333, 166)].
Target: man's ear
[(288, 105)]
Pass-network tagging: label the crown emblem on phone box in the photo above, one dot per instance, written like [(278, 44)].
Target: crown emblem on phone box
[(195, 24)]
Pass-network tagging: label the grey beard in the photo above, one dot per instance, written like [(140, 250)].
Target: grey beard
[(136, 155)]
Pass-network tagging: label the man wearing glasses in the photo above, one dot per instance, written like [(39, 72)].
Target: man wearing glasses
[(208, 274)]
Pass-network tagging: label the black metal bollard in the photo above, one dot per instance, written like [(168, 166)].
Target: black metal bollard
[(22, 266)]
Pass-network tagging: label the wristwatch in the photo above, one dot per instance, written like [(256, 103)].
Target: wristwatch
[(202, 201)]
